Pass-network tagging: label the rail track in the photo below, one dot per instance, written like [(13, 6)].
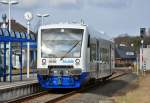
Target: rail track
[(47, 97)]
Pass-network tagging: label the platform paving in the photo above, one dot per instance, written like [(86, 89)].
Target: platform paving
[(16, 88), (16, 80)]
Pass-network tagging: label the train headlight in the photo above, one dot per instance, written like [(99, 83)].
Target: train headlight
[(77, 61), (67, 72), (43, 61), (55, 72)]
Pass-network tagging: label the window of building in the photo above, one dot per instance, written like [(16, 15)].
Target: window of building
[(23, 35), (12, 34), (17, 34), (6, 32)]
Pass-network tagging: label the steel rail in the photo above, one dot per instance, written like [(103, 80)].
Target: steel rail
[(62, 97), (67, 95)]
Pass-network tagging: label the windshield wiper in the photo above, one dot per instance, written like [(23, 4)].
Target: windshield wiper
[(70, 50)]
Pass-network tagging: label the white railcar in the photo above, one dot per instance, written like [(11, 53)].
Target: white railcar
[(69, 55)]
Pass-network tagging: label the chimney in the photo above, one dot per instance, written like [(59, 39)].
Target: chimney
[(4, 17), (13, 21)]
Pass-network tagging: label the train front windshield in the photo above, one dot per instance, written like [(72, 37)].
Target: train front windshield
[(61, 43)]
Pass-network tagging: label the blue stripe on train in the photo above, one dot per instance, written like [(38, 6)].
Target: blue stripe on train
[(63, 82)]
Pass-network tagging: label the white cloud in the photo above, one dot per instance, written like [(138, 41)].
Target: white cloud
[(28, 3), (63, 2), (50, 3), (110, 3)]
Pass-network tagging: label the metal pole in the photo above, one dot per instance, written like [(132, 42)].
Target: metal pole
[(5, 62), (9, 16), (9, 22), (42, 19), (10, 72), (33, 62), (137, 64), (28, 50), (142, 60), (21, 62)]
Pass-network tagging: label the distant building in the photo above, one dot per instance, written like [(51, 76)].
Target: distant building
[(19, 32), (124, 56), (15, 26)]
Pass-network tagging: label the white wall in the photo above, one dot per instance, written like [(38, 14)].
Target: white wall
[(146, 58)]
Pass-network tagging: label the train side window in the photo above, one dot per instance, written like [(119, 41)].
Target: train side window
[(88, 45), (104, 55), (93, 52)]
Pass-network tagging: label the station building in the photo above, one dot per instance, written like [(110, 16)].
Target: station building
[(144, 58), (13, 61), (124, 56)]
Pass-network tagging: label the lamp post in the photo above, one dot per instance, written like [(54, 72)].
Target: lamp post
[(9, 3), (142, 41), (28, 16), (42, 17)]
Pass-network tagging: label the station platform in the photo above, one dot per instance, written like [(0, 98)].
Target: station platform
[(17, 89)]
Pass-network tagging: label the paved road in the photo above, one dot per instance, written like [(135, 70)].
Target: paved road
[(104, 92)]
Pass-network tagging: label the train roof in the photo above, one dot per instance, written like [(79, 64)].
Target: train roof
[(64, 25), (98, 34), (93, 32)]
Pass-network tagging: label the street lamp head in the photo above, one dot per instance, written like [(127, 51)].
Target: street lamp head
[(39, 15), (9, 2), (46, 15), (42, 15), (4, 2), (14, 2)]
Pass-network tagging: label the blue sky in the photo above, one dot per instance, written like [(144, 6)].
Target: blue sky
[(111, 16)]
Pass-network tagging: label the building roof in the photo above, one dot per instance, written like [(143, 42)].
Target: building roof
[(18, 33), (15, 36), (17, 27), (124, 52)]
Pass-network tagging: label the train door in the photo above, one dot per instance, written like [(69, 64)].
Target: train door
[(100, 61), (104, 59), (110, 58), (97, 58), (107, 60), (93, 66)]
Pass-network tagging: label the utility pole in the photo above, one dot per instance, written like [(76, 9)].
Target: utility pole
[(142, 34), (42, 17), (9, 3), (28, 16)]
